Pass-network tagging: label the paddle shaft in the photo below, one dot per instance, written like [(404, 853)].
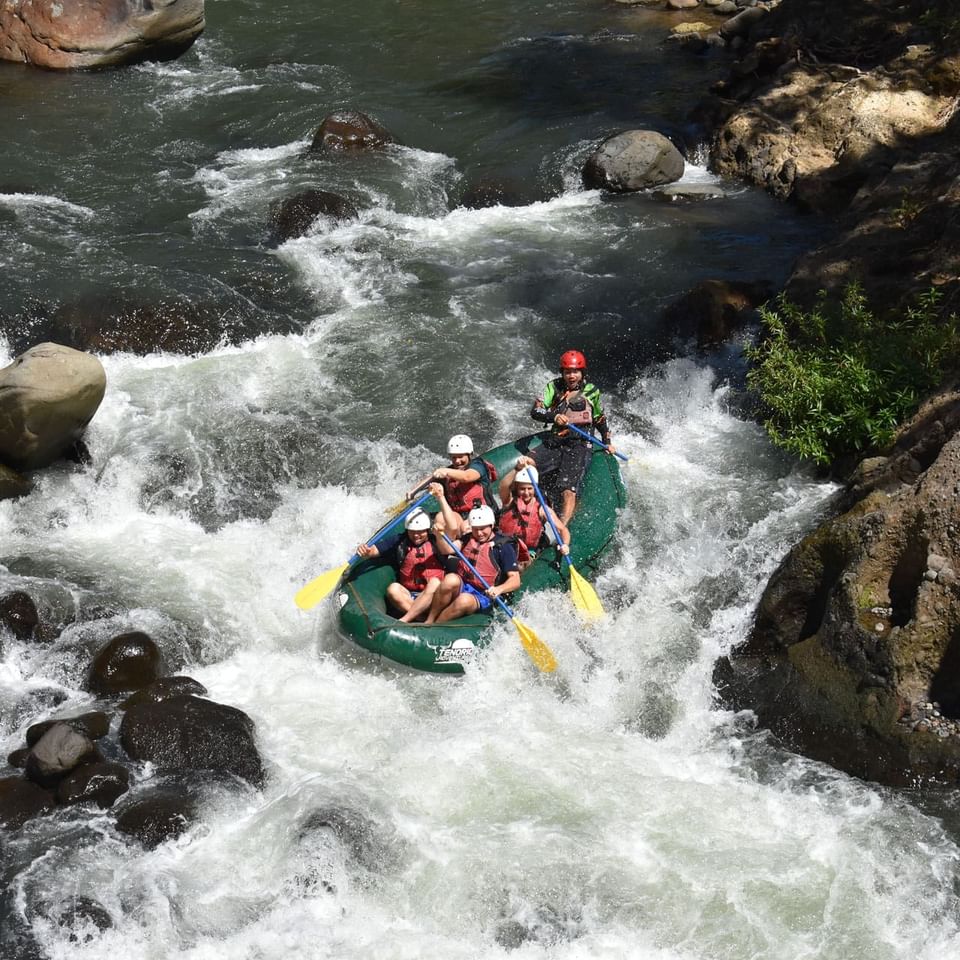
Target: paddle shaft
[(599, 443), (473, 570), (553, 526)]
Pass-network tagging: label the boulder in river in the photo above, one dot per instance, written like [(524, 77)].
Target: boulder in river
[(164, 689), (188, 733), (47, 397), (94, 725), (60, 750), (633, 160), (350, 130), (128, 662), (100, 783), (293, 216), (21, 800), (76, 34), (714, 309), (18, 613), (163, 813)]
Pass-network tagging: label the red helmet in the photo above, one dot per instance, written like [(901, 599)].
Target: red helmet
[(573, 360)]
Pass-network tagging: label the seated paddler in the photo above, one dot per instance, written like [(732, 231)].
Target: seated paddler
[(494, 558), (524, 519), (418, 564), (467, 481)]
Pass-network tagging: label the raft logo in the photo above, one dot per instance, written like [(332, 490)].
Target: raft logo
[(460, 651), (342, 600)]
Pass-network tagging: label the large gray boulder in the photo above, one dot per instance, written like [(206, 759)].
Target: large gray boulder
[(47, 397), (71, 34), (633, 160)]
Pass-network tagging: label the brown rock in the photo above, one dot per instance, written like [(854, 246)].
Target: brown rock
[(18, 613), (99, 783), (13, 484), (160, 815), (714, 309), (127, 662), (187, 733), (164, 689), (350, 130), (293, 216), (21, 800), (71, 34)]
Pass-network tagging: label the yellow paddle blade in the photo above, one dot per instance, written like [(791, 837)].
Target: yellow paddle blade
[(306, 598), (536, 649), (397, 508), (585, 598)]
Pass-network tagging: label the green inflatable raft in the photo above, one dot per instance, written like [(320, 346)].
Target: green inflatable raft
[(446, 647)]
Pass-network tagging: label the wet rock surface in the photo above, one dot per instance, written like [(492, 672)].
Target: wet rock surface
[(80, 34), (633, 160), (161, 814), (128, 662), (350, 130), (848, 107), (858, 633), (294, 216), (187, 733)]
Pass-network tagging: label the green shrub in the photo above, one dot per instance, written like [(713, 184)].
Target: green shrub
[(838, 380)]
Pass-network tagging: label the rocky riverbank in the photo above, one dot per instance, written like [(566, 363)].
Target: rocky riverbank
[(850, 108)]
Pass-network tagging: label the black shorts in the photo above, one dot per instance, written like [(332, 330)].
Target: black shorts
[(563, 465)]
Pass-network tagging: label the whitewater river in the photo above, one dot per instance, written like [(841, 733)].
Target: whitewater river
[(613, 810)]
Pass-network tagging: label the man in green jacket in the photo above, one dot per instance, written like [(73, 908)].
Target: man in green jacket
[(564, 455)]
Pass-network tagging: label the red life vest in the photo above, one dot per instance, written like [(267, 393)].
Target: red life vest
[(464, 495), (523, 520), (418, 564), (482, 556)]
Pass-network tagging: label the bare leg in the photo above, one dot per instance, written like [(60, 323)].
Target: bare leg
[(422, 604), (465, 604), (399, 596), (443, 596), (568, 503)]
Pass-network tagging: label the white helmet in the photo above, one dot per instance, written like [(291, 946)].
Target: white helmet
[(527, 475), (418, 520), (461, 443), (481, 517)]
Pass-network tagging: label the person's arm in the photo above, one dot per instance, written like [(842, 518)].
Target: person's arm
[(540, 411), (506, 496), (601, 424), (451, 519), (368, 552), (449, 473), (564, 546), (512, 582)]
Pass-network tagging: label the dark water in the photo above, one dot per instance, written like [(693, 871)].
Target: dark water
[(618, 812)]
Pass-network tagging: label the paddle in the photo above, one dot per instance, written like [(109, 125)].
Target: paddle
[(398, 507), (536, 649), (307, 597), (593, 439), (585, 598)]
